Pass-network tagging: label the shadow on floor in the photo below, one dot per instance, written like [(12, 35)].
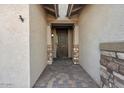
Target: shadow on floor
[(64, 74)]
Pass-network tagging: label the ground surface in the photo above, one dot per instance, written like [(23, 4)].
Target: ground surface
[(64, 74)]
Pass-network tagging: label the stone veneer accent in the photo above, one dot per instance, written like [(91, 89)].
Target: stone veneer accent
[(49, 54), (76, 54), (112, 65)]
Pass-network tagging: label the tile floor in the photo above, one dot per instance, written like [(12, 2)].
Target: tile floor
[(64, 74)]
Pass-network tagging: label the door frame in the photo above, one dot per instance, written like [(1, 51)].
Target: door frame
[(61, 52)]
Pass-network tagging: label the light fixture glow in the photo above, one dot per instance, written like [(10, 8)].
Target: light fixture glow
[(52, 35)]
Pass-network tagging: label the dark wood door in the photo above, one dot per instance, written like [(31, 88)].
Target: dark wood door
[(62, 48)]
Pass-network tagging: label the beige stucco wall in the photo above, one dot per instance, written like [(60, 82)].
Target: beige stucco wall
[(76, 34), (49, 32), (54, 42), (38, 42), (70, 42), (98, 23), (14, 46)]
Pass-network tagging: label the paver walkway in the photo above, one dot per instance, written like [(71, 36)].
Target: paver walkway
[(64, 74)]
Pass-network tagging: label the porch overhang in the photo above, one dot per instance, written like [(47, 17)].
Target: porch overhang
[(51, 10), (74, 10), (62, 25)]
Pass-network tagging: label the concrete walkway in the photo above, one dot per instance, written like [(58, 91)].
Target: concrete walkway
[(64, 74)]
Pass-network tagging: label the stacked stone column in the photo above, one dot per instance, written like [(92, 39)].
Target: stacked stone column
[(76, 44), (49, 45)]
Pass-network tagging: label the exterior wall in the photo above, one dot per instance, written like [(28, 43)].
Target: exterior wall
[(76, 44), (14, 46), (97, 24), (70, 43), (112, 65), (49, 45), (54, 43), (38, 42)]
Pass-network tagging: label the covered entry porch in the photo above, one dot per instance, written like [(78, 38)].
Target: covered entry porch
[(32, 36), (63, 41)]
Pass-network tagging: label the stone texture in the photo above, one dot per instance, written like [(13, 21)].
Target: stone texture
[(107, 82), (104, 82), (103, 67), (108, 53), (121, 69), (76, 54), (111, 70), (119, 82), (119, 61), (64, 74), (105, 60), (120, 55), (104, 73), (49, 54), (118, 75), (112, 66)]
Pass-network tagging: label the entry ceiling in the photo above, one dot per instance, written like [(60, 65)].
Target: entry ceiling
[(74, 9), (60, 25), (51, 9), (61, 10)]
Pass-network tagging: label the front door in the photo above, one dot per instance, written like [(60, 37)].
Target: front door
[(62, 48)]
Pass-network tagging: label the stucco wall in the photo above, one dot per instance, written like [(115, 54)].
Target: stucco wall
[(70, 43), (14, 46), (54, 42), (38, 42), (97, 24)]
